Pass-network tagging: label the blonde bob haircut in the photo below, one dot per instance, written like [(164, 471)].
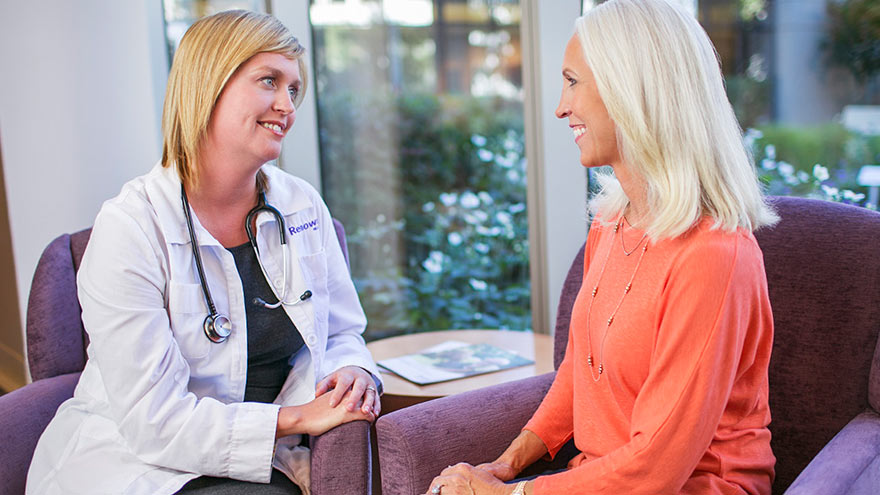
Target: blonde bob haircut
[(660, 79), (212, 49)]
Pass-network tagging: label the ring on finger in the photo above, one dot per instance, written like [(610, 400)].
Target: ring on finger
[(436, 489), (372, 389)]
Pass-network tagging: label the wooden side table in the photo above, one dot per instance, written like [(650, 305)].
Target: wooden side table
[(400, 393)]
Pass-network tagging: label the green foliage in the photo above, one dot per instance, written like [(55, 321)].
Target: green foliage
[(431, 190), (853, 39), (842, 151), (821, 162)]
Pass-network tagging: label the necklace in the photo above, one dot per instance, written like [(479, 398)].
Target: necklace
[(631, 251), (595, 291)]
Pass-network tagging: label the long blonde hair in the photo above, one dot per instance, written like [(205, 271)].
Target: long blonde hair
[(212, 49), (660, 79)]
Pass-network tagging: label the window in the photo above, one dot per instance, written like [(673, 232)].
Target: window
[(804, 81), (420, 110), (180, 14)]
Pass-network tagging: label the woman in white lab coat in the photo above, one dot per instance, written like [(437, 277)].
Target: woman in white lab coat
[(196, 375)]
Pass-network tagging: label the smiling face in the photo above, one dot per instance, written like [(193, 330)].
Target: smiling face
[(255, 110), (580, 103)]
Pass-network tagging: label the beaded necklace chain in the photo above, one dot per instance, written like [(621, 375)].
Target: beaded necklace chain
[(613, 313)]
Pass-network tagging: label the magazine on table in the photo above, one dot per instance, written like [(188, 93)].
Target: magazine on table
[(452, 360)]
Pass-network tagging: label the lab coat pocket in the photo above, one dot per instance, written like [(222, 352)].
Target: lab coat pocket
[(187, 311), (314, 268)]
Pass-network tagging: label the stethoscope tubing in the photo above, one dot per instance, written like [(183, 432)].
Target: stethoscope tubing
[(214, 320)]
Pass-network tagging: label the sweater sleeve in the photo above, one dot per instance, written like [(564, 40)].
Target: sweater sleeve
[(553, 422), (713, 300)]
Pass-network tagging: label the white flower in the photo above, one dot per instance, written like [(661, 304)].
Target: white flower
[(478, 140), (516, 207), (770, 151), (768, 164), (454, 238), (428, 207), (510, 143), (512, 175), (485, 155), (505, 161), (481, 247), (448, 199), (434, 262), (754, 133), (820, 173), (852, 196), (485, 197), (803, 176), (786, 169), (750, 136), (503, 217), (830, 191), (469, 200), (478, 284)]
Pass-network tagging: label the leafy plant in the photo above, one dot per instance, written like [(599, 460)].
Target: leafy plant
[(431, 190), (782, 178)]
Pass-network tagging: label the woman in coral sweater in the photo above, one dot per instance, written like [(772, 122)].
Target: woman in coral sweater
[(664, 382)]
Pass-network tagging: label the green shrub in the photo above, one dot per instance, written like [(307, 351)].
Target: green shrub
[(431, 190)]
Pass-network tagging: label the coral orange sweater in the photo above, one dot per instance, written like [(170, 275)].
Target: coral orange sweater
[(681, 405)]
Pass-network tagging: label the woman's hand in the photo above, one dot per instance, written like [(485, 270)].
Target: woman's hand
[(318, 416), (464, 479), (362, 389), (500, 470)]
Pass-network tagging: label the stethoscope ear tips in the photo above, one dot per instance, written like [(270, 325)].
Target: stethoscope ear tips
[(305, 295)]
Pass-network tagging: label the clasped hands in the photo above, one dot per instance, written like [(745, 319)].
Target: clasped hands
[(464, 479), (347, 394)]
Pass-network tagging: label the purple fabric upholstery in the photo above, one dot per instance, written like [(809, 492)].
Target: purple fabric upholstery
[(847, 463), (874, 380), (416, 443), (24, 414), (570, 288), (341, 458), (823, 273), (340, 235), (55, 332)]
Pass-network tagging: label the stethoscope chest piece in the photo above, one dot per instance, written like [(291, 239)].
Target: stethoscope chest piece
[(217, 328)]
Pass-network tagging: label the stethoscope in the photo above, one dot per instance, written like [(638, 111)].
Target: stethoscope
[(218, 327)]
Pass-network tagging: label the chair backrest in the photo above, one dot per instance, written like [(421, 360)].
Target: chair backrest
[(56, 339), (823, 272), (55, 335), (570, 288)]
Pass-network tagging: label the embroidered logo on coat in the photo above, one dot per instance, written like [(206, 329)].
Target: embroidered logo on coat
[(311, 224)]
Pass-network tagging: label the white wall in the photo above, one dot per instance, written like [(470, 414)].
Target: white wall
[(79, 113)]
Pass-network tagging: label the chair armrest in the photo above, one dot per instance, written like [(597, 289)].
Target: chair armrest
[(24, 414), (341, 460), (848, 464), (418, 442)]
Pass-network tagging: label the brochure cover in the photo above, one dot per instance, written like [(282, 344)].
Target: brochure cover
[(452, 360)]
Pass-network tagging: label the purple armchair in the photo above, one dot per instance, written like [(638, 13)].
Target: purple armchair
[(823, 272), (341, 458)]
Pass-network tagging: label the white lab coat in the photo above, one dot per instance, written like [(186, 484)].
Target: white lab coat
[(158, 404)]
